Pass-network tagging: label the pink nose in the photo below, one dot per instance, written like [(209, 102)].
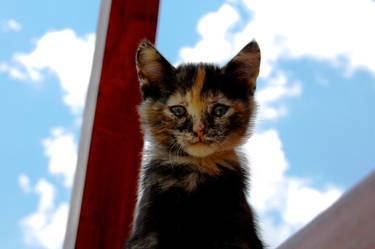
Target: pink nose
[(198, 129), (199, 133)]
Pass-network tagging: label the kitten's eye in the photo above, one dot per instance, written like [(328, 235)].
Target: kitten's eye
[(219, 110), (178, 111)]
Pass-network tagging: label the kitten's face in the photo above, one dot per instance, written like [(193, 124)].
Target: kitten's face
[(197, 110)]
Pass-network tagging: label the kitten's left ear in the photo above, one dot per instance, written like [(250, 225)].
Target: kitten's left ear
[(153, 70), (245, 65)]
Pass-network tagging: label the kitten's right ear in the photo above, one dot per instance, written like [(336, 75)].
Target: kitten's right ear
[(153, 70), (245, 66)]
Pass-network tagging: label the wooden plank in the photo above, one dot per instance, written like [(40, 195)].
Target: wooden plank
[(347, 224), (109, 192)]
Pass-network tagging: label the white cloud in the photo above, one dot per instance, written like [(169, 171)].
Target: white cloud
[(11, 25), (271, 95), (213, 28), (13, 72), (69, 57), (64, 54), (47, 194), (46, 227), (268, 167), (323, 30), (24, 183), (61, 150), (273, 233), (274, 191), (304, 202)]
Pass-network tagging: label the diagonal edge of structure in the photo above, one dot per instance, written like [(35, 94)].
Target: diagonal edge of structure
[(87, 125)]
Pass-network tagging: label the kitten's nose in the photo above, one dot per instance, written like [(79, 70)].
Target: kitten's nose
[(199, 133), (198, 129)]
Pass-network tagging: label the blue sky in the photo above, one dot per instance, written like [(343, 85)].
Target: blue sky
[(315, 136)]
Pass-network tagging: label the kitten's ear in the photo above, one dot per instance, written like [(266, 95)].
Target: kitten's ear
[(245, 65), (153, 70)]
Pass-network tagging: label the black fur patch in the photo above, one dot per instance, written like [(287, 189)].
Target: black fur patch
[(215, 216)]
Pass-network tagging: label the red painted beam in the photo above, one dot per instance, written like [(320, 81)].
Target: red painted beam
[(110, 188)]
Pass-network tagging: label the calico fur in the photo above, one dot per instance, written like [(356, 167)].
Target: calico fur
[(194, 184)]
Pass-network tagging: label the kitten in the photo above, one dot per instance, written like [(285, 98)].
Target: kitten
[(194, 184)]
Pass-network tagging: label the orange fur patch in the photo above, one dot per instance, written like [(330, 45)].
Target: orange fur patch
[(194, 95)]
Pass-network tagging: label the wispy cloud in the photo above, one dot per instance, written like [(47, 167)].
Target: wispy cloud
[(69, 57), (213, 28), (63, 53), (270, 96), (46, 226), (11, 25), (24, 182), (14, 73), (61, 150)]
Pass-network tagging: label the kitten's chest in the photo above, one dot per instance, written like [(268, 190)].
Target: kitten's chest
[(196, 217), (190, 198), (191, 209)]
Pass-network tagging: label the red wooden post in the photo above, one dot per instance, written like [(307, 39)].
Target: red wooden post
[(110, 186)]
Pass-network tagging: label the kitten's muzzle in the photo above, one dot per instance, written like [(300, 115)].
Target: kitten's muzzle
[(200, 140), (198, 133)]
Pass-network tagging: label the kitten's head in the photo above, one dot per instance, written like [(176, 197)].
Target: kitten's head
[(197, 109)]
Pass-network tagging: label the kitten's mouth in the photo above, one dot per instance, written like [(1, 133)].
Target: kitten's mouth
[(199, 147), (198, 143), (201, 141)]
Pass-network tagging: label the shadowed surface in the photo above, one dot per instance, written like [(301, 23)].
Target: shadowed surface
[(349, 223)]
